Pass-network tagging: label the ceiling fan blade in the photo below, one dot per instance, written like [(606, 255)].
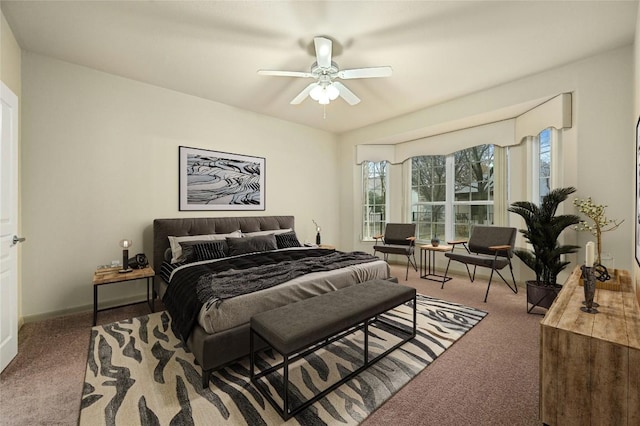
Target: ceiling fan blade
[(323, 51), (365, 72), (285, 73), (346, 94), (303, 95)]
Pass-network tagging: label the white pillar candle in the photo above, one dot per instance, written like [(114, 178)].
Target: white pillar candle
[(590, 254)]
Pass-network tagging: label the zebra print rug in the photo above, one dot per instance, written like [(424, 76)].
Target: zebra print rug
[(138, 372)]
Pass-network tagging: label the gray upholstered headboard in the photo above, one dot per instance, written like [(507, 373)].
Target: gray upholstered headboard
[(162, 228)]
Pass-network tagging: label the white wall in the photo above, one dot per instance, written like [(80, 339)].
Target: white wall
[(100, 162), (596, 161), (9, 57)]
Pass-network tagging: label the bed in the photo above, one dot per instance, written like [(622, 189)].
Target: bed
[(217, 332)]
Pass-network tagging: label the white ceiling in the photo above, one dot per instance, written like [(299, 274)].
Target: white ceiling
[(439, 50)]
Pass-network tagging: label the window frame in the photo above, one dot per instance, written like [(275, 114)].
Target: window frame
[(366, 226), (450, 202), (536, 162)]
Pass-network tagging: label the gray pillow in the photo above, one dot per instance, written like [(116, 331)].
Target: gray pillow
[(287, 239), (251, 244)]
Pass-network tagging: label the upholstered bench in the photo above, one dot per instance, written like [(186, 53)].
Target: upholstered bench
[(300, 328)]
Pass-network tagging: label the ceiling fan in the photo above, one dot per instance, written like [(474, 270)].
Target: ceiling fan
[(325, 88)]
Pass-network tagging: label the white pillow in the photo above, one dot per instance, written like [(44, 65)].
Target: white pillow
[(273, 231), (176, 248)]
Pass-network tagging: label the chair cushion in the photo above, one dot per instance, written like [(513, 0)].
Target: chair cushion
[(394, 249), (478, 259)]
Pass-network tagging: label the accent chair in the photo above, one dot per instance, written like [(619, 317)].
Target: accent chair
[(488, 247), (398, 238)]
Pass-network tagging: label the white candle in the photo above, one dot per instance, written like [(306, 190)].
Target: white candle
[(590, 255)]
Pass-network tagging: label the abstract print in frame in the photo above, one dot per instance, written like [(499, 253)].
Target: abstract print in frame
[(637, 221), (212, 180)]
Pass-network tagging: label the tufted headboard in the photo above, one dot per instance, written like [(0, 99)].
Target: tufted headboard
[(162, 228)]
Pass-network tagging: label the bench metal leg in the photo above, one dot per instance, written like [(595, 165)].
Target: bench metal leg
[(285, 397), (366, 342)]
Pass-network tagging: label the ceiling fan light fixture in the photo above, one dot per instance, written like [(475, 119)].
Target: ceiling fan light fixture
[(333, 92), (324, 93), (316, 92)]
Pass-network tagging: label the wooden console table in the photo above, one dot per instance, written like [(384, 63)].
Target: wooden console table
[(590, 363)]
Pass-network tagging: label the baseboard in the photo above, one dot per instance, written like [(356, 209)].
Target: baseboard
[(84, 308)]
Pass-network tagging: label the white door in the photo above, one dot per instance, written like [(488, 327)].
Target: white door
[(8, 227)]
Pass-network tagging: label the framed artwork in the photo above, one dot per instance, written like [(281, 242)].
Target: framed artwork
[(212, 180), (637, 221)]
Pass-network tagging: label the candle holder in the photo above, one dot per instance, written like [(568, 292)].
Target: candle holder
[(589, 284), (125, 244), (318, 241)]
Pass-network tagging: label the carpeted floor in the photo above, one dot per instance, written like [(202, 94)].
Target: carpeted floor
[(490, 377)]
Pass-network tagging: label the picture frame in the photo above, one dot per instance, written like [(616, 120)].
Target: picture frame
[(637, 217), (215, 180)]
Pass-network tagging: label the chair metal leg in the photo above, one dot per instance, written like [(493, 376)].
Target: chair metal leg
[(513, 278), (406, 277), (411, 262), (446, 272), (488, 285), (513, 289), (469, 272)]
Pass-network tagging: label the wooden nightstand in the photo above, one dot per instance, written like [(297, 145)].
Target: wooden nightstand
[(112, 276), (327, 246)]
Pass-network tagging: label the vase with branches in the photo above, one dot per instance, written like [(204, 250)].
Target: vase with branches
[(598, 221)]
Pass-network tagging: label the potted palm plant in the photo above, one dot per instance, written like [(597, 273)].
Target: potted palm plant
[(545, 256)]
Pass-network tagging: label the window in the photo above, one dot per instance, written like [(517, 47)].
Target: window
[(374, 208), (450, 194), (473, 189), (544, 163), (428, 195)]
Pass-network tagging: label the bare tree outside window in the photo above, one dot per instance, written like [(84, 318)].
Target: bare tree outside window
[(471, 179), (374, 209), (473, 189), (428, 193)]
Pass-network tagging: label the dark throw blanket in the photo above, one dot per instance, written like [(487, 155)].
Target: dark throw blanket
[(213, 282)]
